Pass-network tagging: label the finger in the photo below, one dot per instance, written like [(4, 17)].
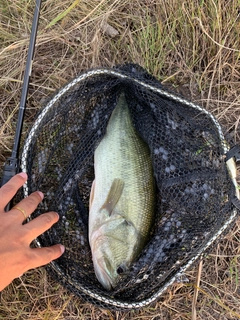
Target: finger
[(42, 256), (25, 207), (40, 224), (8, 190)]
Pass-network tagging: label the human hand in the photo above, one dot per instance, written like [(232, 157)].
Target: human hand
[(16, 256)]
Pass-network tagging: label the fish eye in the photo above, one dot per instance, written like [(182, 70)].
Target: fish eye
[(120, 269)]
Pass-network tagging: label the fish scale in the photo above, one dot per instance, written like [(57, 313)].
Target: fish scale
[(122, 197)]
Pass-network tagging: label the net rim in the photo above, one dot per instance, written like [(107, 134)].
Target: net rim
[(116, 73)]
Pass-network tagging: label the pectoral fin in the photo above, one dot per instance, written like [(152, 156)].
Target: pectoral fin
[(114, 195)]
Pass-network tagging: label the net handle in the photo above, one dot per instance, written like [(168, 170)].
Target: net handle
[(12, 164)]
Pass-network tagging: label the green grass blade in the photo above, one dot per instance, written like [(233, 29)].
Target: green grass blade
[(63, 14)]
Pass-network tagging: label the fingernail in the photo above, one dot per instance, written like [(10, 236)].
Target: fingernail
[(23, 175), (62, 248), (41, 194), (56, 214)]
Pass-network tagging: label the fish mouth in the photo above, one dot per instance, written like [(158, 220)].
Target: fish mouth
[(102, 269), (104, 279)]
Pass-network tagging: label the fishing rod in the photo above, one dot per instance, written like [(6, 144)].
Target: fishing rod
[(12, 165)]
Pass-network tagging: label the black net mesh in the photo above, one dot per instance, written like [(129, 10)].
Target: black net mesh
[(194, 189)]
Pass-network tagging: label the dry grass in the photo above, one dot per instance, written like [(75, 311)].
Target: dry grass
[(191, 45)]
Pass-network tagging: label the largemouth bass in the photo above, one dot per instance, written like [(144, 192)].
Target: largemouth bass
[(122, 198)]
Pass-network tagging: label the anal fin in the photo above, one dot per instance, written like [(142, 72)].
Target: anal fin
[(92, 194)]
